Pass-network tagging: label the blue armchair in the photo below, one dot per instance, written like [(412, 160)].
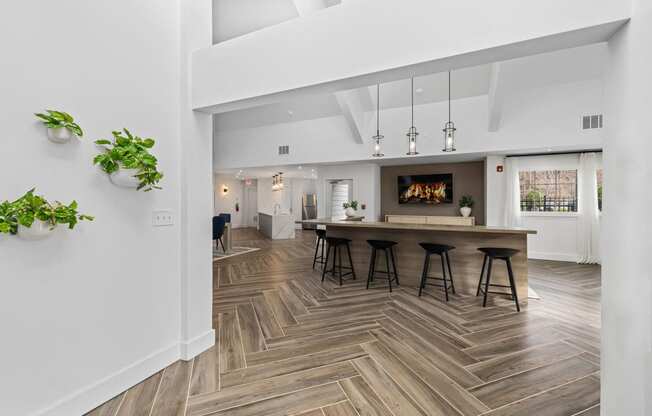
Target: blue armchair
[(218, 231)]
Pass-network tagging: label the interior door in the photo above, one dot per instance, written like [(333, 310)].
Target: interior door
[(339, 192), (251, 206)]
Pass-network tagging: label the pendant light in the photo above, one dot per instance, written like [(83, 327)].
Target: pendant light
[(378, 137), (449, 127), (412, 132), (280, 181)]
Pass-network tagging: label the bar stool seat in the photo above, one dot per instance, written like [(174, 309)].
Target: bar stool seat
[(442, 251), (388, 248), (336, 243), (433, 248), (499, 253), (321, 241)]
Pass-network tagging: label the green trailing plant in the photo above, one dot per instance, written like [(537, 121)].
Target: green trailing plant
[(130, 152), (57, 119), (466, 201), (352, 204), (31, 207)]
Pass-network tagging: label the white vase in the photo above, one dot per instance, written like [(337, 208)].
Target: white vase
[(38, 231), (465, 211), (59, 134), (125, 178), (350, 212)]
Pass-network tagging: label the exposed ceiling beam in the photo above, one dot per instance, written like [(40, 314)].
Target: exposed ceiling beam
[(496, 97), (306, 7), (352, 107)]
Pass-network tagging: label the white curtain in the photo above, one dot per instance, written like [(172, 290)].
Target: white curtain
[(512, 215), (588, 227)]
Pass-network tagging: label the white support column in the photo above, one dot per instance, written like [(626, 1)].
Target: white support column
[(196, 210), (626, 370)]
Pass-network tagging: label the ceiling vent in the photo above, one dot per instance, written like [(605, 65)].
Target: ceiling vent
[(284, 150), (592, 122)]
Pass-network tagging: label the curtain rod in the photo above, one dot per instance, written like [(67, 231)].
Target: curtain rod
[(574, 152)]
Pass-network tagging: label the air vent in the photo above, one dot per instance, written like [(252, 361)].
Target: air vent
[(284, 150), (592, 122)]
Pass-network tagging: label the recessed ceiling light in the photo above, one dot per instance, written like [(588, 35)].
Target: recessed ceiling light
[(549, 149), (300, 167), (290, 113), (419, 90)]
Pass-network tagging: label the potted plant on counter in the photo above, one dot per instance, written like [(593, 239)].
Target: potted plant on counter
[(466, 205), (61, 125), (33, 217), (128, 161), (350, 208)]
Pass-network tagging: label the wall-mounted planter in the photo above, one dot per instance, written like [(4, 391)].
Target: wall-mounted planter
[(125, 178), (38, 231), (60, 134)]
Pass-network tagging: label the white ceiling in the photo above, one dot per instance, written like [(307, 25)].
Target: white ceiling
[(233, 18), (564, 66)]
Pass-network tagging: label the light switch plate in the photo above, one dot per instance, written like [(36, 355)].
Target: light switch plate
[(162, 218)]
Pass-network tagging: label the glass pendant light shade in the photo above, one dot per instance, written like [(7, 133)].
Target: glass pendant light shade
[(378, 137), (377, 152), (412, 132), (449, 137), (449, 127), (412, 141)]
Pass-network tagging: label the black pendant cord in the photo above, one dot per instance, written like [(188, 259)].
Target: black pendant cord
[(412, 91), (449, 96), (377, 109)]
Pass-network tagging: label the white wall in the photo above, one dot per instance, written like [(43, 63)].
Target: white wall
[(87, 313), (557, 233), (225, 202), (543, 116), (626, 369), (366, 187)]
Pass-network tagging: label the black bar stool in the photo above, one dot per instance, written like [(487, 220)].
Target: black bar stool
[(321, 240), (336, 244), (388, 248), (491, 253), (442, 251)]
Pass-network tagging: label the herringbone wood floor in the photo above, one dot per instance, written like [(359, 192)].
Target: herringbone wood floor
[(289, 345)]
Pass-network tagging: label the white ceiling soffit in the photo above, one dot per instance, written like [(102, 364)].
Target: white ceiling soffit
[(362, 42)]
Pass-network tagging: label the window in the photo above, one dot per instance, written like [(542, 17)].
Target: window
[(548, 190), (599, 175)]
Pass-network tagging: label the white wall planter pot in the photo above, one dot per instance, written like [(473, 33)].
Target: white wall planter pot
[(465, 211), (125, 178), (38, 231), (60, 134), (350, 212)]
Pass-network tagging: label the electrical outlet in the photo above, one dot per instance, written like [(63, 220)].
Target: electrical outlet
[(162, 218)]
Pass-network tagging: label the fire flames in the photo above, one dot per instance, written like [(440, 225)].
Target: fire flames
[(434, 193)]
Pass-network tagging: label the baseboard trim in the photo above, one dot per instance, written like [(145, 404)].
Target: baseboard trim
[(192, 348), (87, 398), (539, 255)]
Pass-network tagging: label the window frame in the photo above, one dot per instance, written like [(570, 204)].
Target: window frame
[(550, 213)]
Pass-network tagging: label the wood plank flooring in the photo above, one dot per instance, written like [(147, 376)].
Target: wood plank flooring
[(288, 344)]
